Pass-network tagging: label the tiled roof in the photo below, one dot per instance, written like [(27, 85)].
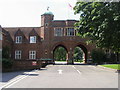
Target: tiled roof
[(25, 30)]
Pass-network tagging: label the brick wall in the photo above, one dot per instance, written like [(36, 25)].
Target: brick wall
[(26, 64)]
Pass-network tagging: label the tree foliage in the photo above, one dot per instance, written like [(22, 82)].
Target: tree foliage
[(78, 54), (100, 21), (60, 54)]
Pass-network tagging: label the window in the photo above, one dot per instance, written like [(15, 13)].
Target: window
[(18, 54), (32, 39), (0, 36), (32, 54), (18, 39), (58, 32), (46, 24), (70, 31)]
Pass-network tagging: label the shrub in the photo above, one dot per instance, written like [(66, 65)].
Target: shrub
[(5, 52), (98, 56), (7, 63)]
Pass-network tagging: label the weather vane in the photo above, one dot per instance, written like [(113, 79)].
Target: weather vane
[(48, 8)]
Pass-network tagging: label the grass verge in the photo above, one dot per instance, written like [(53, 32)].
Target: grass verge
[(113, 66)]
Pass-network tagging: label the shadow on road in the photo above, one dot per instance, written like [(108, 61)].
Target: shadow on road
[(7, 76)]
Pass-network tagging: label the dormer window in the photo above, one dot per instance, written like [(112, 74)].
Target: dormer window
[(32, 39), (18, 39)]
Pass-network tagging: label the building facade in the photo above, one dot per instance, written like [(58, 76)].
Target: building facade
[(36, 43)]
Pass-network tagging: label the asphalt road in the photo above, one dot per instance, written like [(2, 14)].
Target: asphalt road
[(64, 76)]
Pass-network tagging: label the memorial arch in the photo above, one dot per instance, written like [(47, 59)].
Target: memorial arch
[(69, 46)]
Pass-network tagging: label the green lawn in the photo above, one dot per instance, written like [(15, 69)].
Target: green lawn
[(113, 66)]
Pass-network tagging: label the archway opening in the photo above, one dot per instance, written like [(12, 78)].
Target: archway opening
[(80, 55), (60, 55)]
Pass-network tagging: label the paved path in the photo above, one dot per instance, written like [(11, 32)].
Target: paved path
[(65, 76)]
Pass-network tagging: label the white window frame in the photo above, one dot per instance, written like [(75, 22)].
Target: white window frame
[(69, 31), (58, 31), (18, 54), (32, 41), (32, 54), (18, 39)]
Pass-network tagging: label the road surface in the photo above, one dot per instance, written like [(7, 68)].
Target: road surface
[(63, 76)]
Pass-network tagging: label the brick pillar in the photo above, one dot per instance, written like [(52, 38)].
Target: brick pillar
[(88, 56), (70, 57), (64, 32), (52, 57)]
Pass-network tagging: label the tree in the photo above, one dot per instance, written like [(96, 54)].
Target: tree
[(100, 21), (60, 54), (78, 54)]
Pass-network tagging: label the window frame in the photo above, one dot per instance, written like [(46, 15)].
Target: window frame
[(69, 31), (32, 54), (17, 39), (58, 31), (31, 41), (18, 54)]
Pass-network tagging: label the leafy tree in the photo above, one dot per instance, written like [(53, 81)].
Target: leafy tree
[(100, 21), (78, 54), (60, 54)]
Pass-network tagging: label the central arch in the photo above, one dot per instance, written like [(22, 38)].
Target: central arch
[(55, 48), (70, 47)]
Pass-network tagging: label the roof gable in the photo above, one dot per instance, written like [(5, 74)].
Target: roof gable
[(33, 32), (26, 31), (19, 32)]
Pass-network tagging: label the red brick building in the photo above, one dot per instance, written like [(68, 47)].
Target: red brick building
[(36, 43)]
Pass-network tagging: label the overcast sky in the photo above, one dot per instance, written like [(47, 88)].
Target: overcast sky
[(27, 13)]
